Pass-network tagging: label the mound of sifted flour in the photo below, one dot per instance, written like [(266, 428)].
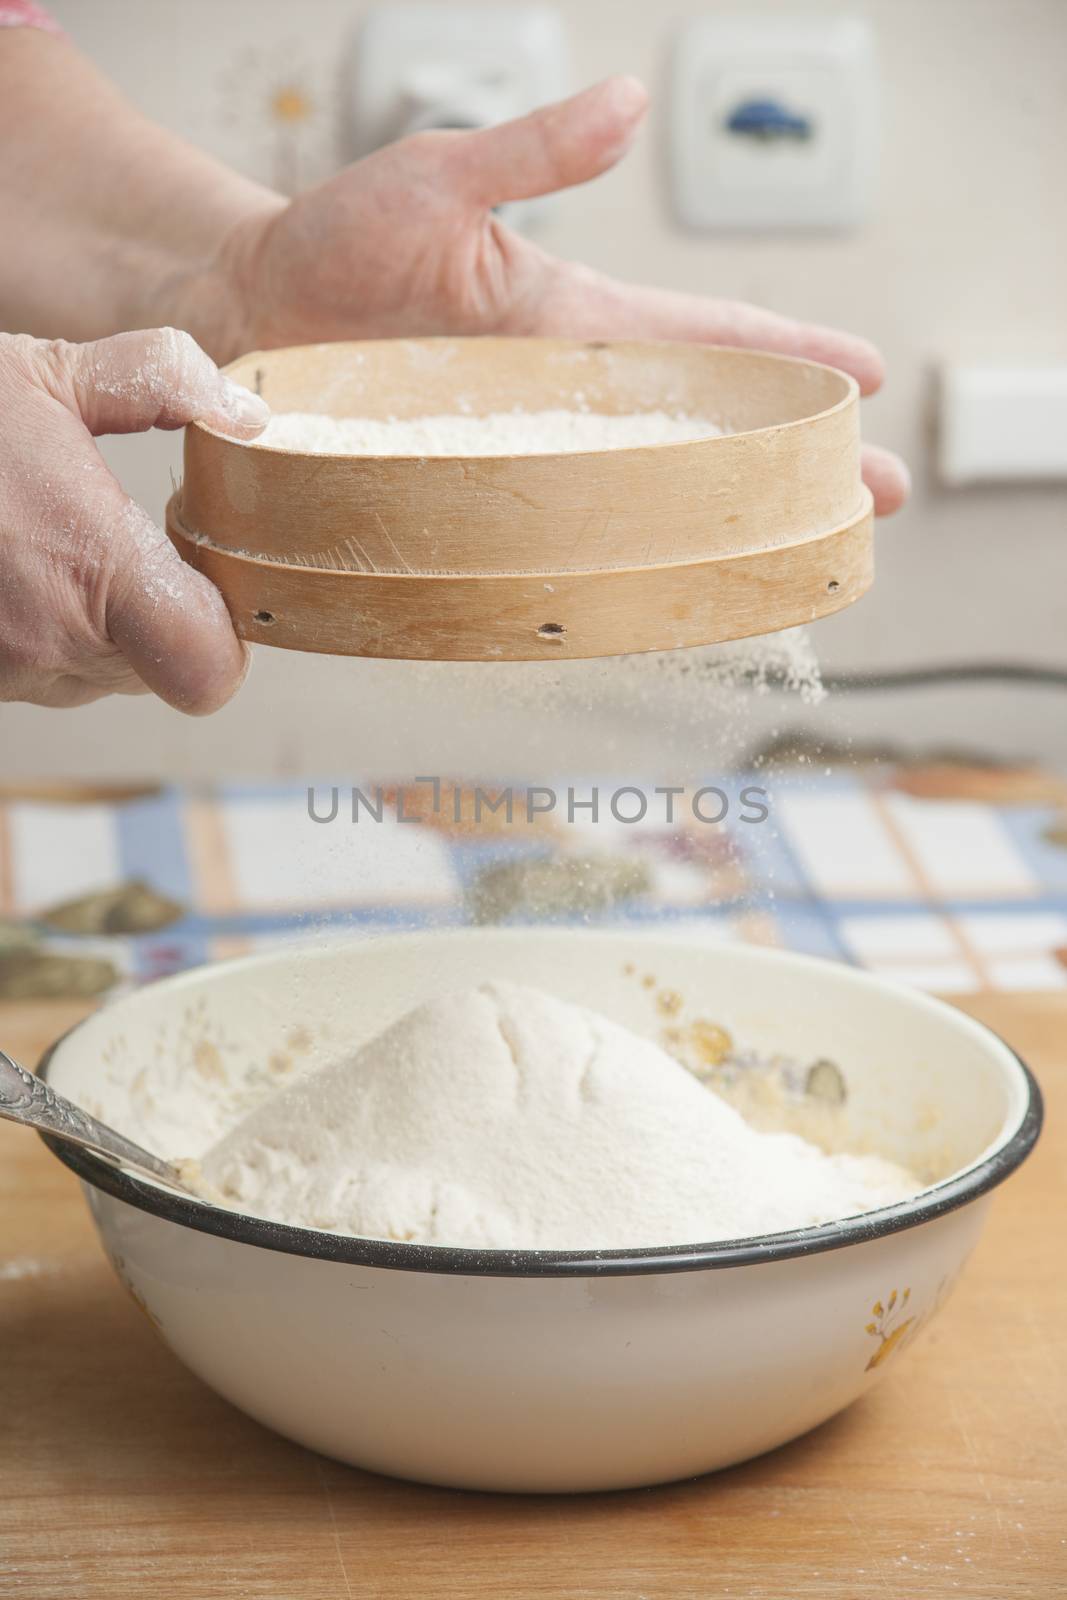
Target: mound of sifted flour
[(501, 433), (502, 1117)]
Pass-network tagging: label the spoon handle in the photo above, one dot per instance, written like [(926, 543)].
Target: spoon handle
[(28, 1099)]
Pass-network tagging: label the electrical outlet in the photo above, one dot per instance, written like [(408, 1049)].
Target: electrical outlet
[(773, 122), (1002, 425), (419, 64)]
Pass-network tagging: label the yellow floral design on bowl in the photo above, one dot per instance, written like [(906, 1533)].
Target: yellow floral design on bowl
[(889, 1326)]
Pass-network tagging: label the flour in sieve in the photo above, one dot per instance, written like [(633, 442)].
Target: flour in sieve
[(501, 433)]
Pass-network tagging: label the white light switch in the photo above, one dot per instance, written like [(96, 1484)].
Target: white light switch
[(1002, 424), (420, 64), (773, 122)]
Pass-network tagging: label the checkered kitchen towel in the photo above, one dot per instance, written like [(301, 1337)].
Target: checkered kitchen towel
[(926, 878)]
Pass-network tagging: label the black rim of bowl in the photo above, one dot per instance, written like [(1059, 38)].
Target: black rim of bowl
[(351, 1250)]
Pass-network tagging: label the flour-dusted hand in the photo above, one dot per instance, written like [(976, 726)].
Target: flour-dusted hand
[(407, 242), (94, 599)]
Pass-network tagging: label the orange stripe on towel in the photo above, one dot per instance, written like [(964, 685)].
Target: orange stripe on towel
[(209, 856), (971, 955)]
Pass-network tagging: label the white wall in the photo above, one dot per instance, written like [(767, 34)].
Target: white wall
[(965, 255)]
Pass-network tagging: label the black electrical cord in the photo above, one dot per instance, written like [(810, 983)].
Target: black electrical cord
[(1023, 672)]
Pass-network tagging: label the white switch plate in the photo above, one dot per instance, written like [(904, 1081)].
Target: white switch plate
[(1002, 424), (774, 122), (421, 64)]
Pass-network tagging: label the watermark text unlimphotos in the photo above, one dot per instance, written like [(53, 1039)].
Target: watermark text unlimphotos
[(626, 803)]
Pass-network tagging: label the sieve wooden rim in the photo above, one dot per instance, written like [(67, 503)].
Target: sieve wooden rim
[(534, 556), (543, 616)]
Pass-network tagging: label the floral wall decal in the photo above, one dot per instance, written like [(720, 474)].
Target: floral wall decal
[(285, 112)]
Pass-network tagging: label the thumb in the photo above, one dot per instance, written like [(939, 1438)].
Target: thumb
[(555, 147), (156, 378), (169, 621)]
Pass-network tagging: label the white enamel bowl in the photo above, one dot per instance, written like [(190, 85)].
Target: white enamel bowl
[(546, 1370)]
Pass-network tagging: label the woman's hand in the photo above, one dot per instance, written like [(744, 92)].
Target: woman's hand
[(406, 242), (94, 599), (403, 243)]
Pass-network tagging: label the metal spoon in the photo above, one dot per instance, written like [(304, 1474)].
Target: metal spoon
[(27, 1099)]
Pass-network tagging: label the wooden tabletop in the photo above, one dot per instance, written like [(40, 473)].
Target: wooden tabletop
[(121, 1475)]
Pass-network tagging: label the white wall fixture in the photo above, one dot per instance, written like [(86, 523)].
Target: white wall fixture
[(1002, 424), (774, 122), (419, 64)]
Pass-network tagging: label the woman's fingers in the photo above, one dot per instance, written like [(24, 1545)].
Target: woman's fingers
[(156, 378), (581, 303), (733, 322), (94, 599), (169, 621), (554, 147), (586, 304), (887, 477)]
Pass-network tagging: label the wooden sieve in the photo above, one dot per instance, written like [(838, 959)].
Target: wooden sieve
[(509, 558)]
